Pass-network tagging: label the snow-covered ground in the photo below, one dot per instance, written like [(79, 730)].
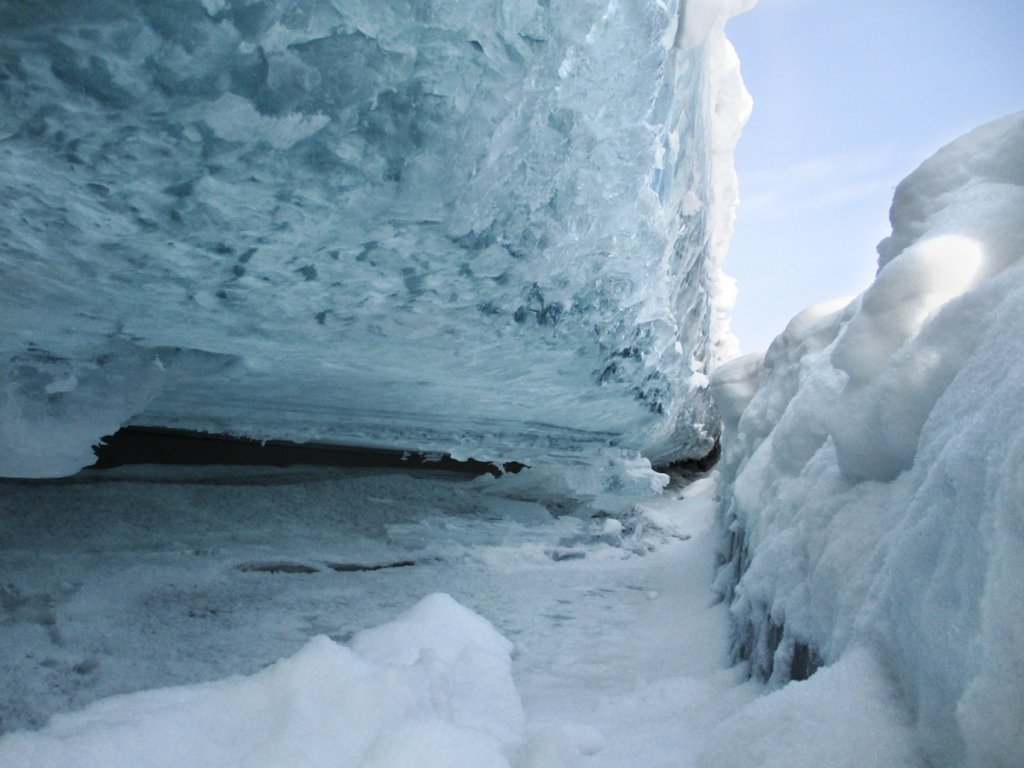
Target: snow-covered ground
[(559, 640)]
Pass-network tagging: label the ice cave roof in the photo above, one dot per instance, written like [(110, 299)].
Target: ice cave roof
[(469, 229)]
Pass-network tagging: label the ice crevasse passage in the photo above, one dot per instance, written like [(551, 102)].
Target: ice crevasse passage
[(491, 229)]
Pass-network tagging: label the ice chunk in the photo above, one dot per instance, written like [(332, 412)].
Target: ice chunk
[(734, 385), (234, 118), (53, 409)]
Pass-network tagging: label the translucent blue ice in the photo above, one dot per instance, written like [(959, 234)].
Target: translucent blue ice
[(477, 227)]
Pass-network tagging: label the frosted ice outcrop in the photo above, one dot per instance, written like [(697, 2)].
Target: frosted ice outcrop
[(873, 464), (491, 228)]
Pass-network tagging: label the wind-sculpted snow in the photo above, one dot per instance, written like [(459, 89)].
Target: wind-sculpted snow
[(875, 461), (490, 228)]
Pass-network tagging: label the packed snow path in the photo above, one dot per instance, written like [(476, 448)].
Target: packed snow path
[(136, 581)]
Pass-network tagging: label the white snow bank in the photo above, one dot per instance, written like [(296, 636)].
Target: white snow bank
[(51, 415), (847, 716), (873, 480), (432, 688)]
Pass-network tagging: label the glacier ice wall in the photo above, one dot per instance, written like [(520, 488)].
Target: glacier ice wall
[(874, 464), (489, 228)]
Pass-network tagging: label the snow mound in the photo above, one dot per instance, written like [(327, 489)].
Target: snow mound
[(873, 465), (847, 716), (432, 688)]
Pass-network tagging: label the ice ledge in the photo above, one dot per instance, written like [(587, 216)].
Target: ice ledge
[(493, 232)]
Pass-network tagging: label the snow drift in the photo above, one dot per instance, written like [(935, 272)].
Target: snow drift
[(488, 228), (874, 465), (432, 688)]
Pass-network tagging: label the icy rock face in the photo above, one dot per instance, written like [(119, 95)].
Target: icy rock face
[(490, 228), (873, 464)]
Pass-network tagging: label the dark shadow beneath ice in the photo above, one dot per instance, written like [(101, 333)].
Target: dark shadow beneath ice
[(159, 445), (283, 566)]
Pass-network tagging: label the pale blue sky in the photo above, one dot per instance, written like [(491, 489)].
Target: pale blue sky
[(849, 97)]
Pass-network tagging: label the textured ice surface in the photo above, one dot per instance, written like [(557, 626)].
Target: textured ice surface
[(492, 228), (873, 463)]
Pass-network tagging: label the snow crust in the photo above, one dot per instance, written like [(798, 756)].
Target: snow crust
[(873, 476), (488, 228)]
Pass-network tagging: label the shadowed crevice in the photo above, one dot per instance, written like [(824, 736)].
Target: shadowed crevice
[(159, 445)]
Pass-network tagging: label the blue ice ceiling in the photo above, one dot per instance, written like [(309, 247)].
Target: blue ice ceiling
[(475, 227)]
